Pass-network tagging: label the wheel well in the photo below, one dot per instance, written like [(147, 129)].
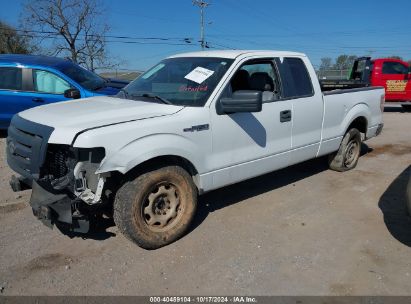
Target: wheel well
[(360, 123), (162, 161)]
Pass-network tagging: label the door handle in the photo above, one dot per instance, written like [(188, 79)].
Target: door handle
[(37, 99), (285, 116)]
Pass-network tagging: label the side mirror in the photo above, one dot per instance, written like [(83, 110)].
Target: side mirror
[(72, 93), (241, 101)]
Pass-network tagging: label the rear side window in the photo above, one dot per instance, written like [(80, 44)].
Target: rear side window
[(295, 79), (10, 78), (47, 82), (394, 68)]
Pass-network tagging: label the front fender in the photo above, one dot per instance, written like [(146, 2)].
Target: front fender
[(148, 147)]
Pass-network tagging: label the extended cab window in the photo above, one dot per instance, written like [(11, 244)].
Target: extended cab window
[(47, 82), (10, 78), (296, 81), (394, 68)]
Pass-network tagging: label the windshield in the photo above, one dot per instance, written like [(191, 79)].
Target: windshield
[(187, 81), (83, 77)]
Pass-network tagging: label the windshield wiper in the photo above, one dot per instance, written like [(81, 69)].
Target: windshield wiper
[(147, 95)]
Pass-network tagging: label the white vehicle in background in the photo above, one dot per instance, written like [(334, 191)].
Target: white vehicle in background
[(193, 123)]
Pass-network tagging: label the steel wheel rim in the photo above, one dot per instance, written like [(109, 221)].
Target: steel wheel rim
[(162, 207), (351, 153)]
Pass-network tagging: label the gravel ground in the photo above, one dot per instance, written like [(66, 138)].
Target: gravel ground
[(304, 230)]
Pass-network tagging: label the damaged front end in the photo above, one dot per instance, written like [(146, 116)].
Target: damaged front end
[(66, 192)]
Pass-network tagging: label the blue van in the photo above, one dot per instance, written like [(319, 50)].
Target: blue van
[(27, 81)]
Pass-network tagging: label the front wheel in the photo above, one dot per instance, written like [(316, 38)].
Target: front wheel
[(157, 207), (347, 156)]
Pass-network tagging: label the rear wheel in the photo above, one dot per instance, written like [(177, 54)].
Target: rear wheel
[(347, 156), (157, 207)]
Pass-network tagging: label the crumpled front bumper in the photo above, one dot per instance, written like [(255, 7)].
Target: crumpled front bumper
[(56, 208)]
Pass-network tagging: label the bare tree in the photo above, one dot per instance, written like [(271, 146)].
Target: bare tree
[(94, 54), (76, 27), (326, 63), (344, 62), (14, 42)]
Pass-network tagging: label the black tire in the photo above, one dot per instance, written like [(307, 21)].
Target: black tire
[(346, 158), (157, 207)]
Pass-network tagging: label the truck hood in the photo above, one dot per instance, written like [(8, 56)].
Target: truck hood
[(71, 117)]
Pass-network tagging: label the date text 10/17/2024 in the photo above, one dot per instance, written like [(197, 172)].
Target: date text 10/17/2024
[(200, 299)]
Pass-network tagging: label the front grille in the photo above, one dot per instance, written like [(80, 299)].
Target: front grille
[(26, 146), (22, 147), (57, 163)]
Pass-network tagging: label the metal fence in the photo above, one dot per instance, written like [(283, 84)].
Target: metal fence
[(333, 74), (120, 74)]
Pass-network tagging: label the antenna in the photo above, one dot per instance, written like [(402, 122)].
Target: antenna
[(202, 5)]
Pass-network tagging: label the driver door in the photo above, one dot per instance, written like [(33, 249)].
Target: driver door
[(250, 144)]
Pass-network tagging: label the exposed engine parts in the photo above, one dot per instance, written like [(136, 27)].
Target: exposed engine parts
[(81, 189), (68, 188)]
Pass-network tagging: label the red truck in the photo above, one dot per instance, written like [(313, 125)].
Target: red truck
[(392, 74)]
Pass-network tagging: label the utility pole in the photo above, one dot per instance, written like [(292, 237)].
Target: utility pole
[(202, 5)]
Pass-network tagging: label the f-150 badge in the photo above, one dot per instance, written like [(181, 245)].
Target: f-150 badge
[(197, 128)]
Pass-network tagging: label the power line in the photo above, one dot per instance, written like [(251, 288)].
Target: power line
[(305, 46), (131, 40), (25, 33), (114, 41)]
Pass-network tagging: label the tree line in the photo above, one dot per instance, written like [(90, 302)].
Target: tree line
[(344, 62)]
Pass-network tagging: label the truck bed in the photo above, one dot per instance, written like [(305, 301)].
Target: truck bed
[(338, 108), (341, 84)]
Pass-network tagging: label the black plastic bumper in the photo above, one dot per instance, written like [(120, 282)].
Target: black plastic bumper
[(57, 209), (20, 183)]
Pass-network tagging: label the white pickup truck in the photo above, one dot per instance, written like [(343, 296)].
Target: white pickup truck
[(193, 123)]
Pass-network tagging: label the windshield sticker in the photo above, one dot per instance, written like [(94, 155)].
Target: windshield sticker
[(199, 75), (153, 70)]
